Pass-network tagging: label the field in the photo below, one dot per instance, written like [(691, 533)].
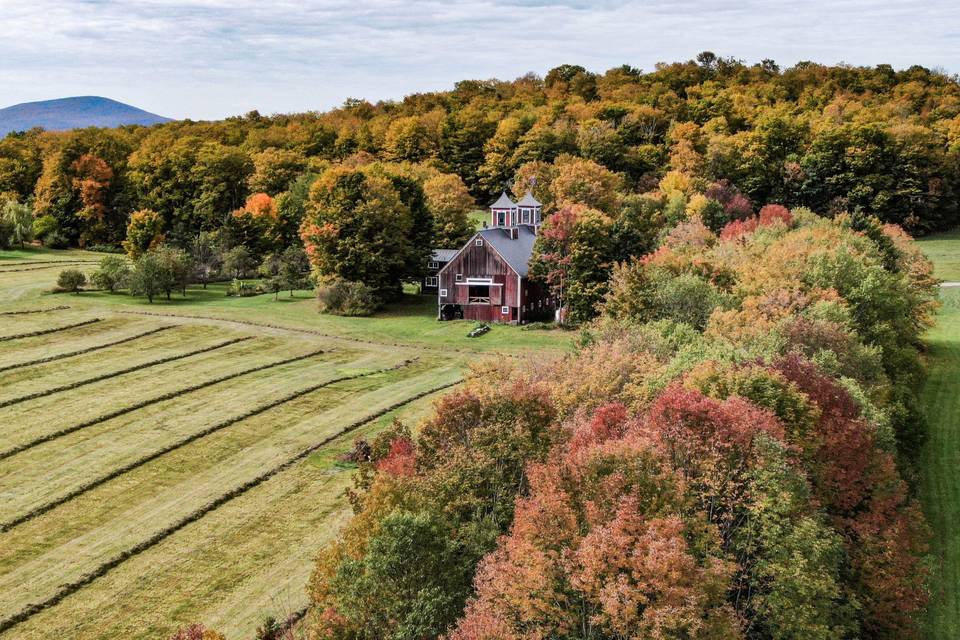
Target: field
[(168, 463), (940, 484)]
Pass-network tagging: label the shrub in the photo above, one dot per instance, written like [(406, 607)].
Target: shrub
[(71, 280), (44, 226), (341, 297), (6, 233), (113, 274)]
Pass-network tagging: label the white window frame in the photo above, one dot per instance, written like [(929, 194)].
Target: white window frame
[(459, 277), (432, 281), (479, 242), (443, 293), (433, 264), (504, 310)]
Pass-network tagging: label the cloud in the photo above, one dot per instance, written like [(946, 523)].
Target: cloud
[(211, 58)]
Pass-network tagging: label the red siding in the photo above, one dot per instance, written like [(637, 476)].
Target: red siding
[(485, 262)]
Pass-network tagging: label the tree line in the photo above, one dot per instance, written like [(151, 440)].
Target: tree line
[(832, 138)]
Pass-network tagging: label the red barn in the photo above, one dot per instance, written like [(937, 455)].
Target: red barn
[(487, 279)]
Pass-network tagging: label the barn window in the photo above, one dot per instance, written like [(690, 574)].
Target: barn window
[(479, 242), (433, 264), (505, 310), (443, 293), (478, 294), (431, 281), (459, 277)]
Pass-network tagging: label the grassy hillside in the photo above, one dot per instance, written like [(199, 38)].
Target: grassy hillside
[(941, 458), (175, 462)]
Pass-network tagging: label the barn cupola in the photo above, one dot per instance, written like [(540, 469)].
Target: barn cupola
[(503, 212), (529, 210)]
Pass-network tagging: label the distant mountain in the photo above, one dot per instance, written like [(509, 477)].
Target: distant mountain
[(73, 113)]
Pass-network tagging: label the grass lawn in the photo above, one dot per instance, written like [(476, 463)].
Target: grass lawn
[(944, 250), (940, 462)]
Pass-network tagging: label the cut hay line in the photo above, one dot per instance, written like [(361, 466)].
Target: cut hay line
[(79, 352), (26, 263), (26, 311), (69, 589), (51, 265), (43, 332), (114, 374), (323, 334), (93, 484), (146, 403)]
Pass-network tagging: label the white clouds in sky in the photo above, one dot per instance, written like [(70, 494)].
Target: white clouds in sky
[(212, 58)]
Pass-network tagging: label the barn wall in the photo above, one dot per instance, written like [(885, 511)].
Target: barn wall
[(481, 262)]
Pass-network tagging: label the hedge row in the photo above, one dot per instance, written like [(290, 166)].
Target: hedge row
[(114, 374), (26, 311), (93, 484), (43, 332), (79, 352), (72, 587), (145, 403)]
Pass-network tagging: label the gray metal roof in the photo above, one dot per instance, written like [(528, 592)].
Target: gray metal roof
[(444, 255), (529, 201), (503, 202), (516, 251)]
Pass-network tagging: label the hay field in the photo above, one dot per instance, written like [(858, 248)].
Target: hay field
[(178, 462)]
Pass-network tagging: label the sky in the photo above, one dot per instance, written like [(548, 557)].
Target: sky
[(208, 59)]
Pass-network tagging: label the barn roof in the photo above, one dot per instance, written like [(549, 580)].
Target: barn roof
[(516, 251), (529, 201), (503, 202), (444, 255)]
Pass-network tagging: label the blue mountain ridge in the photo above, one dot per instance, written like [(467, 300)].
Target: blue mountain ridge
[(73, 113)]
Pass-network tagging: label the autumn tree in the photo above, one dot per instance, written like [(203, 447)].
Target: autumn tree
[(358, 228), (144, 232), (450, 203)]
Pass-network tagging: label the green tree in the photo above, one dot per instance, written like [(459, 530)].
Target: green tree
[(358, 229), (178, 268), (294, 269), (150, 277), (20, 218), (71, 280), (207, 257), (113, 274), (238, 261)]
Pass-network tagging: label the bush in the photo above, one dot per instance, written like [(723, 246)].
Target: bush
[(71, 280), (6, 233), (55, 240), (44, 226), (105, 248), (341, 297), (113, 274)]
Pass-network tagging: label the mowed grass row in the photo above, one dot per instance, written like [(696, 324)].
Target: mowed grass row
[(44, 472), (25, 421), (167, 488), (940, 484), (34, 332), (108, 330), (23, 287), (168, 344)]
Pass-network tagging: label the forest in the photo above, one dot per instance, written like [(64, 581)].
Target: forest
[(868, 141), (728, 453)]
